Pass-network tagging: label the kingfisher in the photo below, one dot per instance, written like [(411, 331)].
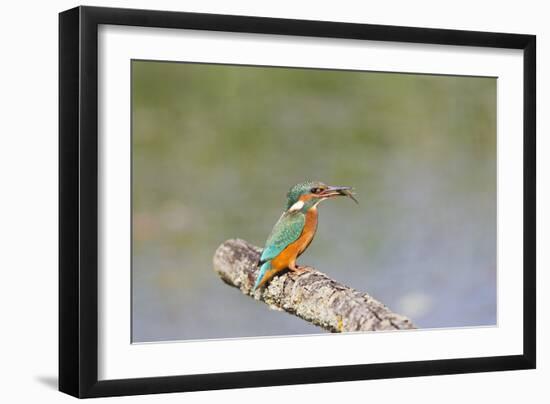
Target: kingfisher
[(295, 229)]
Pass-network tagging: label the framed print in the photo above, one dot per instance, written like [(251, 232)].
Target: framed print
[(250, 201)]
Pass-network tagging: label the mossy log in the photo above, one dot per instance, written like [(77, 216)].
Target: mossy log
[(311, 295)]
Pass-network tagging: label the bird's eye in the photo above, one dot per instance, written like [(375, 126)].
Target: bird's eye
[(315, 190)]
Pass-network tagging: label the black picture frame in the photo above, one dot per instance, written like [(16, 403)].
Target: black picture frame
[(78, 200)]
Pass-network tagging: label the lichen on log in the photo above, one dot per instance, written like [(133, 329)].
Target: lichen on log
[(311, 295)]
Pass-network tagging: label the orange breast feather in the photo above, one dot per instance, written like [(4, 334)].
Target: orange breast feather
[(288, 256)]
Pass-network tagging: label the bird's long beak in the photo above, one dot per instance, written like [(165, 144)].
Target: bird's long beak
[(339, 191)]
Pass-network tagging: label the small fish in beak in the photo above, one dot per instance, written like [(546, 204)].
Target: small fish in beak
[(349, 194), (339, 191)]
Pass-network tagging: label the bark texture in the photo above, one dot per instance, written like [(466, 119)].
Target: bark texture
[(312, 295)]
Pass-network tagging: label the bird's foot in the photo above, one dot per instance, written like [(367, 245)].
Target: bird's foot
[(299, 270)]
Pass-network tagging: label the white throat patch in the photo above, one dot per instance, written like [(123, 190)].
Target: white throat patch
[(297, 206)]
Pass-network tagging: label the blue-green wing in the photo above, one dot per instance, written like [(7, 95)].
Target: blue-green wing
[(287, 230)]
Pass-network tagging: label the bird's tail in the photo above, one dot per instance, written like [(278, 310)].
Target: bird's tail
[(261, 274)]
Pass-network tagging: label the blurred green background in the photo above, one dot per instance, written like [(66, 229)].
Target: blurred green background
[(216, 147)]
